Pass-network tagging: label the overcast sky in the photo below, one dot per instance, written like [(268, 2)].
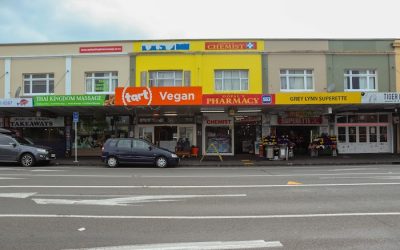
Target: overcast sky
[(92, 20)]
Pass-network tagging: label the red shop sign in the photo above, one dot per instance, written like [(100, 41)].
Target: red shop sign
[(232, 99), (231, 45), (300, 120), (100, 49)]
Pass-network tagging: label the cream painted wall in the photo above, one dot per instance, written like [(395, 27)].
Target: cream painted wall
[(2, 78), (56, 49), (80, 65), (296, 45), (276, 62), (42, 65)]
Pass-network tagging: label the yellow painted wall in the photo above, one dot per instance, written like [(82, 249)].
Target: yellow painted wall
[(202, 67)]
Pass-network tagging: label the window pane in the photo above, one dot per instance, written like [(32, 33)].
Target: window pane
[(114, 85), (299, 71), (236, 84), (114, 73), (309, 83), (244, 74), (101, 85), (356, 83), (283, 71), (372, 83), (218, 74), (353, 118), (383, 134), (100, 74), (283, 83), (51, 75), (352, 134), (39, 86), (372, 134), (245, 85), (296, 83), (363, 83), (227, 84), (383, 118), (227, 74), (347, 82), (342, 119), (124, 144), (362, 133), (27, 88), (218, 84), (88, 74), (342, 134), (235, 74), (309, 71), (89, 85), (39, 76), (51, 86)]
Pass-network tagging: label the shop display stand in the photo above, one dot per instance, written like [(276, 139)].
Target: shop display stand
[(212, 146)]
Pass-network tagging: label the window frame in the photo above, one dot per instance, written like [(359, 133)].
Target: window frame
[(93, 79), (223, 79), (287, 75), (368, 75), (31, 79), (153, 82)]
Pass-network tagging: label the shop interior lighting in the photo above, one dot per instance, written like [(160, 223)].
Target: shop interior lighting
[(249, 110), (212, 111), (170, 114)]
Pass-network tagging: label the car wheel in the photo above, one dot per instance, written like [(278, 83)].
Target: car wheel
[(27, 160), (112, 162), (161, 162)]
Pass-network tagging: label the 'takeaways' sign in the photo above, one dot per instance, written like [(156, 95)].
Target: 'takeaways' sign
[(318, 98), (160, 96)]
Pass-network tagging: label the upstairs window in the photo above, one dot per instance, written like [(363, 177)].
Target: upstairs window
[(297, 80), (360, 80), (38, 83), (101, 82), (165, 78), (231, 80)]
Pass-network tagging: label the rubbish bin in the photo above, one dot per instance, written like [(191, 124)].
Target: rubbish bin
[(269, 151)]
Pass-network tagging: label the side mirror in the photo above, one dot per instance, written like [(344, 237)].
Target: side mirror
[(13, 144)]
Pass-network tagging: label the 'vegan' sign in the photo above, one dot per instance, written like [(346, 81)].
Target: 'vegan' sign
[(158, 96), (235, 99)]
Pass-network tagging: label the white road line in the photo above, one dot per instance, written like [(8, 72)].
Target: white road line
[(47, 170), (351, 169), (10, 178), (194, 217), (69, 175), (260, 175), (226, 186), (128, 200), (16, 195), (196, 245)]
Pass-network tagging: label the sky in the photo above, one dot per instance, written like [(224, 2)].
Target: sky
[(27, 21)]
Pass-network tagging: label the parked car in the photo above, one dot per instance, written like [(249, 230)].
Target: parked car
[(137, 151), (17, 149)]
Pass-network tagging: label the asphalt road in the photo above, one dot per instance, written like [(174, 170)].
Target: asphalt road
[(319, 207)]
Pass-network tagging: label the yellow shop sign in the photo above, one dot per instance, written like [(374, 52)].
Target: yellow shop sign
[(318, 98)]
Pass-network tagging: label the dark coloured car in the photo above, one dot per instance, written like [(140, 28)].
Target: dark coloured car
[(136, 151), (17, 149)]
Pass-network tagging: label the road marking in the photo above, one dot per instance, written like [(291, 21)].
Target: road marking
[(81, 229), (226, 186), (196, 245), (351, 169), (10, 178), (128, 200), (16, 195), (210, 217), (47, 170), (294, 183), (69, 175), (260, 175)]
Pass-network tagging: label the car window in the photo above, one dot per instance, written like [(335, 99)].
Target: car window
[(124, 144), (112, 143), (22, 140), (4, 140), (137, 144)]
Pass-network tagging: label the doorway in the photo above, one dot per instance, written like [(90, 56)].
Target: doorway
[(299, 135)]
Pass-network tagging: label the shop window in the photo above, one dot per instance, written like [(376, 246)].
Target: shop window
[(352, 134), (297, 80), (220, 137), (101, 82), (165, 78), (383, 134), (383, 118), (362, 134), (342, 134), (146, 133), (38, 83), (372, 134), (186, 133), (360, 80), (231, 80)]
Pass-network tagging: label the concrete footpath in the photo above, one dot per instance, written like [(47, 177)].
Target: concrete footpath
[(253, 161)]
